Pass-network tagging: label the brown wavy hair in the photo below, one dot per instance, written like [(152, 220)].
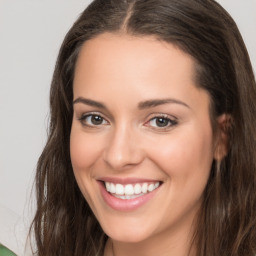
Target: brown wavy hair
[(64, 224)]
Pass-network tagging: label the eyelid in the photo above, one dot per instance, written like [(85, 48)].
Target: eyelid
[(173, 120), (160, 114), (83, 116)]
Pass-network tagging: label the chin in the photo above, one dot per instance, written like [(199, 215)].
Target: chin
[(128, 237), (129, 233)]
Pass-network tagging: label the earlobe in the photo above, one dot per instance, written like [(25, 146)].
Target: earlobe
[(222, 136)]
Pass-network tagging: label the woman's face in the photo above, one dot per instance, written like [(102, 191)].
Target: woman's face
[(141, 140)]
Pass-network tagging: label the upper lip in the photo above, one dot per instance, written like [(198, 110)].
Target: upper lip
[(130, 180)]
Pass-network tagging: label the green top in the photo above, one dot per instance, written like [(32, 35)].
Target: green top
[(5, 252)]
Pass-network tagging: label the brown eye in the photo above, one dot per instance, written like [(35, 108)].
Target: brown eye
[(92, 120), (162, 122), (96, 120)]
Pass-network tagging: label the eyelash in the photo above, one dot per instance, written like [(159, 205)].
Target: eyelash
[(171, 122), (83, 118)]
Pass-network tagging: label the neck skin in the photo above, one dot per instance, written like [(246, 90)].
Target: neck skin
[(175, 242)]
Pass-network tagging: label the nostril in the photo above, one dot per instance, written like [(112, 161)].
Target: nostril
[(122, 152)]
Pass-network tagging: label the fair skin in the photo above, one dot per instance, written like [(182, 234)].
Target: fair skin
[(139, 117)]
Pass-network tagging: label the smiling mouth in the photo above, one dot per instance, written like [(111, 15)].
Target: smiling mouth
[(130, 191)]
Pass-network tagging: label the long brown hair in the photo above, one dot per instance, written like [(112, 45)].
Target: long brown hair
[(64, 224)]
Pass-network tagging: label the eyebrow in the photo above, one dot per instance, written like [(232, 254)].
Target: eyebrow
[(157, 102), (142, 105), (89, 102)]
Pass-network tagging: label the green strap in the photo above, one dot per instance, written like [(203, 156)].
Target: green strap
[(5, 252)]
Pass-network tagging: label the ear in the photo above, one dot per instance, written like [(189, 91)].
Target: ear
[(222, 136)]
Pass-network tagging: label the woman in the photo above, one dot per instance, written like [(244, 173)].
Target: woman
[(151, 146)]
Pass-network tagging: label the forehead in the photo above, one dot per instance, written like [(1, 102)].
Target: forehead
[(135, 68), (111, 48), (124, 55)]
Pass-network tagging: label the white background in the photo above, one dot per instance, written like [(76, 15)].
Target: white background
[(31, 32)]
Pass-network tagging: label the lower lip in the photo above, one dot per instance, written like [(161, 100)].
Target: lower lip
[(125, 204)]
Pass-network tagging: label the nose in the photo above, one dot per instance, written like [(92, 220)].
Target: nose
[(123, 149)]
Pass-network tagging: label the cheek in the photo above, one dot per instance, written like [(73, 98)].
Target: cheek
[(186, 156), (84, 150), (186, 160)]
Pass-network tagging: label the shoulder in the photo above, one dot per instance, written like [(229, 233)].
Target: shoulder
[(5, 252), (13, 233)]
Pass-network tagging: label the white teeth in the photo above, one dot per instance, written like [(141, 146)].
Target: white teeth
[(151, 187), (125, 196), (112, 188), (130, 191), (108, 186), (137, 189), (119, 189), (144, 188)]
